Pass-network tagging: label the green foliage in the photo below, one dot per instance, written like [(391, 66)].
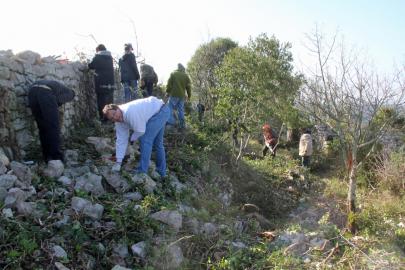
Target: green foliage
[(381, 216), (202, 65), (256, 257), (187, 154), (27, 244), (134, 225), (19, 241), (272, 167), (336, 188), (386, 116), (256, 83), (400, 238), (151, 203)]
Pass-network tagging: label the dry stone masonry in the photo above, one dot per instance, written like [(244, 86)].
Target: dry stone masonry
[(17, 72)]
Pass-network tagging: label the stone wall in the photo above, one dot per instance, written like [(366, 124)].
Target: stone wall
[(17, 72)]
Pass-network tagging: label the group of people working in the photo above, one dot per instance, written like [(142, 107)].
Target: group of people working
[(271, 143), (144, 115)]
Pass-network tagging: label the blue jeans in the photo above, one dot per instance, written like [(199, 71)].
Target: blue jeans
[(177, 103), (130, 90), (153, 137)]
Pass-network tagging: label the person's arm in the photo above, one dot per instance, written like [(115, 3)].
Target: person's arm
[(155, 77), (135, 135), (188, 87), (92, 64), (122, 133), (169, 85), (134, 67)]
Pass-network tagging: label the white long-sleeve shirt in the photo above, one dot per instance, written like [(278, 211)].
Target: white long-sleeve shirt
[(135, 116)]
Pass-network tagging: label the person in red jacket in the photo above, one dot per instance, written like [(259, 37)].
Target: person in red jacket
[(270, 140)]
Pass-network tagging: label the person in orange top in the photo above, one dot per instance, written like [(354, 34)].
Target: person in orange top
[(270, 140)]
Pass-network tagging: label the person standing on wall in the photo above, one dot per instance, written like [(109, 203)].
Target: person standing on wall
[(44, 98), (129, 74), (102, 64), (178, 85), (149, 79)]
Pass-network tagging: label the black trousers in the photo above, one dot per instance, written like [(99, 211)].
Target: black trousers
[(104, 97), (266, 148), (149, 87), (45, 111)]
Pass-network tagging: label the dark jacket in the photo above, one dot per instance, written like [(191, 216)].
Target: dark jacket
[(102, 63), (62, 93), (148, 74), (128, 68), (179, 83)]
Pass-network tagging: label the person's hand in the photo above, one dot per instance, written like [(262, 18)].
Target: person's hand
[(133, 138), (116, 167)]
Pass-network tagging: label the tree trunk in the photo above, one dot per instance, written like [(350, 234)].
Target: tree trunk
[(290, 135), (351, 198)]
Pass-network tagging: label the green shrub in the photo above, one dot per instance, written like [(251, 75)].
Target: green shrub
[(257, 257), (400, 238)]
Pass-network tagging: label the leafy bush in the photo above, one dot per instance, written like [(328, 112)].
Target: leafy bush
[(257, 257), (400, 238)]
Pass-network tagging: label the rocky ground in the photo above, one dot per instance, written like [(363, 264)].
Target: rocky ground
[(81, 215)]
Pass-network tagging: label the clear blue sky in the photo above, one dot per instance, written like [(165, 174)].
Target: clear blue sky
[(170, 31)]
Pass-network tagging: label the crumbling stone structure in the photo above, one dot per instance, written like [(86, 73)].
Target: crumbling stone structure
[(17, 72)]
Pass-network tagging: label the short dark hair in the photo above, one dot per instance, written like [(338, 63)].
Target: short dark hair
[(101, 47), (180, 67), (128, 46)]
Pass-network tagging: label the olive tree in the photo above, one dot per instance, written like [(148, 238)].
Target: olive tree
[(201, 69), (256, 82)]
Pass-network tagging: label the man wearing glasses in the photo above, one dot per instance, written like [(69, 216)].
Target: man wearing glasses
[(147, 118)]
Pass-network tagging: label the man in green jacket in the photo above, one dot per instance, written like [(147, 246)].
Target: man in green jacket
[(179, 83)]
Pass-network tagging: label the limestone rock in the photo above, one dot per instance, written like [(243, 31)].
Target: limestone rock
[(138, 249), (102, 145), (115, 180), (55, 168), (7, 181), (172, 218), (91, 183), (78, 204), (59, 252), (94, 212), (209, 229), (22, 171)]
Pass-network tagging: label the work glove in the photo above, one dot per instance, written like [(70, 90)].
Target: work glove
[(116, 167)]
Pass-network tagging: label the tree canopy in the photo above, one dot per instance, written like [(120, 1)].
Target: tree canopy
[(202, 65), (256, 82)]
